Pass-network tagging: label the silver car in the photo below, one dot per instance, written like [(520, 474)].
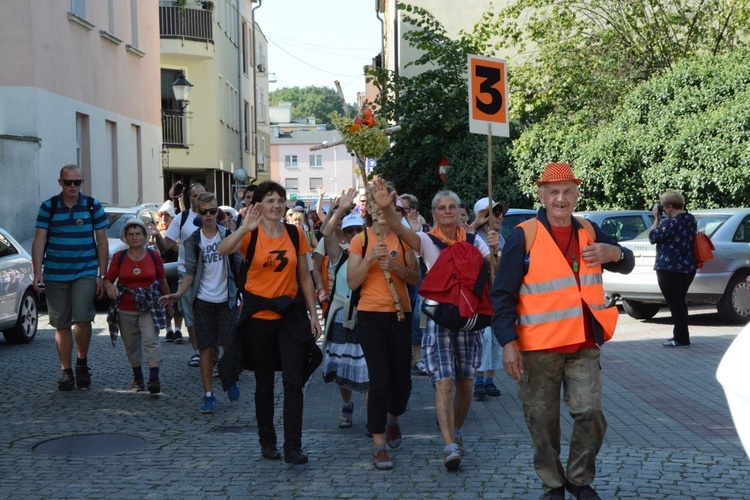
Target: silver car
[(721, 281), (19, 303), (622, 225)]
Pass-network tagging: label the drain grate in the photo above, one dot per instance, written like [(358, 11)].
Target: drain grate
[(90, 445)]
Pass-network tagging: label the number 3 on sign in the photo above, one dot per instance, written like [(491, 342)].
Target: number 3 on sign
[(488, 96)]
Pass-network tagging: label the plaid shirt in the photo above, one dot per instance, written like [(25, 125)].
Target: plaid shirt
[(144, 300)]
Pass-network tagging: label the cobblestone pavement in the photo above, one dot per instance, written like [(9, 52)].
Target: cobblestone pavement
[(670, 432)]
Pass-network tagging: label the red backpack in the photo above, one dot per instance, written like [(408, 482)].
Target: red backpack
[(456, 289)]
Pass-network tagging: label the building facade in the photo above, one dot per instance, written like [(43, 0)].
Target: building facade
[(79, 83)]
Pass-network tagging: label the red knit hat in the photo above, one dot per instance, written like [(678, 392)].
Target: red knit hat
[(557, 172)]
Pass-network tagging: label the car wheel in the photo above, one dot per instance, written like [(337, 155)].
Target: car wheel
[(24, 330), (734, 306), (640, 310)]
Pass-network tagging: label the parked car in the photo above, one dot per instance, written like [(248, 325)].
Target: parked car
[(116, 218), (513, 217), (622, 225), (19, 303), (721, 281)]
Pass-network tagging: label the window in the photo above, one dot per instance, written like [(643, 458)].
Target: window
[(316, 161), (6, 247), (78, 7), (315, 182), (134, 22), (290, 161), (244, 47), (291, 184), (246, 131)]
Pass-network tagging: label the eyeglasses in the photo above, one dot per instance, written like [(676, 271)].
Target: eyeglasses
[(204, 211), (363, 200), (76, 182), (353, 230)]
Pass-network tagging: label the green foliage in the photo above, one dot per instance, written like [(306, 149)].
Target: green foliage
[(432, 108), (687, 130), (319, 102)]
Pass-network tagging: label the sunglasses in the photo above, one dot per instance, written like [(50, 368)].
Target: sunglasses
[(76, 182), (498, 211), (353, 230), (204, 211)]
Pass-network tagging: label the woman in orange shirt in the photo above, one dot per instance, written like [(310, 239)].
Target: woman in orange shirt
[(385, 341), (278, 292)]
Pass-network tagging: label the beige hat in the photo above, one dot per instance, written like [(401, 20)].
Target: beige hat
[(167, 207), (132, 222)]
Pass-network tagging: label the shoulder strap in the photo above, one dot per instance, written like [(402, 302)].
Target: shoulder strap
[(291, 230), (53, 208), (120, 257), (588, 227), (251, 248), (343, 258), (437, 241), (183, 218)]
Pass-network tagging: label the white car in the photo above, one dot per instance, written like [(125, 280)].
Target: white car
[(721, 281), (19, 303)]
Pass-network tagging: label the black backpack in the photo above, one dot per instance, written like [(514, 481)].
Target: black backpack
[(53, 210)]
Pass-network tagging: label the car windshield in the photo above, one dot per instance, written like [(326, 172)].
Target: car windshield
[(708, 223), (115, 220)]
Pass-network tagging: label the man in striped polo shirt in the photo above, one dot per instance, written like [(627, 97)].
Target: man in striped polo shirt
[(74, 269)]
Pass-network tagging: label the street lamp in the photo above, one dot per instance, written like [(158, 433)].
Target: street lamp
[(181, 88)]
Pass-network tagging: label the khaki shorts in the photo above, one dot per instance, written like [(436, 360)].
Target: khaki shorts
[(70, 302)]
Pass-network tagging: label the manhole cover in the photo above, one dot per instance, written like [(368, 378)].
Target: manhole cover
[(90, 445)]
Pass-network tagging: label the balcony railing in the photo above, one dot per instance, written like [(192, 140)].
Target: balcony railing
[(189, 24), (173, 128)]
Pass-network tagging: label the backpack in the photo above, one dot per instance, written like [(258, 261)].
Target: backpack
[(121, 256), (198, 222), (53, 211), (703, 249), (456, 289), (241, 279)]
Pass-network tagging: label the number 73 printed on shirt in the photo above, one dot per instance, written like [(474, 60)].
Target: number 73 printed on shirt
[(488, 96)]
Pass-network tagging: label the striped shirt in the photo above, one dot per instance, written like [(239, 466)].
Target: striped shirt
[(71, 248)]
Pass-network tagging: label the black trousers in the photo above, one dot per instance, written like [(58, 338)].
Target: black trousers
[(386, 344), (266, 338), (674, 287)]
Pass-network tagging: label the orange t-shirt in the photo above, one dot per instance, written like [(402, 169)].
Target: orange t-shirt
[(273, 271), (375, 296)]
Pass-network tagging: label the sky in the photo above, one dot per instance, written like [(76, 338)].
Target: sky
[(314, 42)]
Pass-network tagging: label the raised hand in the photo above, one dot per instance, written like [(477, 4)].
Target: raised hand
[(380, 193), (252, 219), (346, 201), (321, 191)]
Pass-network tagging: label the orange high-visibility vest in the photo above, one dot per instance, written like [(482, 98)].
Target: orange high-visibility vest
[(550, 307)]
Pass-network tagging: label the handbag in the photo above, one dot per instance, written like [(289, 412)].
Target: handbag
[(704, 248)]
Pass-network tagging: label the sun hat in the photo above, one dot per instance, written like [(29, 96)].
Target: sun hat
[(232, 212), (352, 220), (557, 172), (483, 203), (299, 206), (132, 222), (168, 208), (176, 190)]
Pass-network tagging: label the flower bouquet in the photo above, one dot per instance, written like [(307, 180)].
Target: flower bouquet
[(364, 135)]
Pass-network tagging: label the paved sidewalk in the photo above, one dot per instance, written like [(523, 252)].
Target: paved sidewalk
[(670, 432)]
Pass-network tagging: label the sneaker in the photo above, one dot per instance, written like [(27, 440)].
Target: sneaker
[(209, 402), (452, 458), (295, 457), (674, 343), (393, 435), (170, 336), (381, 460), (554, 494), (83, 377), (479, 391), (66, 383), (234, 392), (460, 443), (491, 390), (138, 385), (215, 371), (178, 337), (345, 419), (582, 492), (154, 387), (195, 360)]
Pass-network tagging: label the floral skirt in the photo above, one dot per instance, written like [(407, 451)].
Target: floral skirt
[(344, 362)]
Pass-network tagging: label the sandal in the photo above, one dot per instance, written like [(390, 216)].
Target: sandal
[(345, 420)]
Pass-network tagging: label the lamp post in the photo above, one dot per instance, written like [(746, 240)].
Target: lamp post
[(181, 88)]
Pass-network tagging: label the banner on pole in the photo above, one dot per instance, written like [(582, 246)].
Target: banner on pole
[(488, 96)]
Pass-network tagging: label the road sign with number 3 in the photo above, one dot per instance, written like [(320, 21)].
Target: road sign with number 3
[(488, 96)]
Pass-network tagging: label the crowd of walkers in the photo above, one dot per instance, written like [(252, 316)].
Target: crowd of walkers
[(251, 279)]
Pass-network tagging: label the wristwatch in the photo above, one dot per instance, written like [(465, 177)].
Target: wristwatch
[(102, 276), (622, 255)]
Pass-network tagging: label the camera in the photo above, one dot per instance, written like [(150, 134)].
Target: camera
[(660, 210)]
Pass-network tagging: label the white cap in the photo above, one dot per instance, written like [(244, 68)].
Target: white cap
[(352, 220), (167, 207), (484, 203), (226, 208)]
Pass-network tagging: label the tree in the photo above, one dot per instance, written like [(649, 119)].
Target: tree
[(432, 108), (309, 101), (688, 129)]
